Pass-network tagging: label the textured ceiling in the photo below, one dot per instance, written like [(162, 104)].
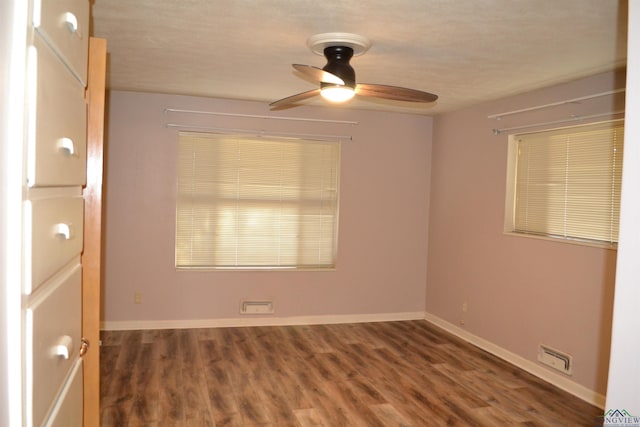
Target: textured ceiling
[(466, 51)]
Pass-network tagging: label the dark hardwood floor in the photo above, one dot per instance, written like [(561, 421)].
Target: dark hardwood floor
[(368, 374)]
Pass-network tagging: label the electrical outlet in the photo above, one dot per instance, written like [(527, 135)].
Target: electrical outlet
[(465, 307), (137, 298)]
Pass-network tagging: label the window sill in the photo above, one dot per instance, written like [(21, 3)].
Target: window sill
[(593, 244), (250, 269)]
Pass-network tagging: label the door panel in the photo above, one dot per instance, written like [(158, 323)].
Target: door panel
[(52, 333), (64, 24), (68, 409), (53, 229), (92, 255), (59, 296), (57, 149)]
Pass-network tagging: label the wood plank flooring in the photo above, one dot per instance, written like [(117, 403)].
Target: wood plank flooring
[(406, 373)]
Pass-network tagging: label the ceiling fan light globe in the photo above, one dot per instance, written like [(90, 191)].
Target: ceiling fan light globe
[(337, 93)]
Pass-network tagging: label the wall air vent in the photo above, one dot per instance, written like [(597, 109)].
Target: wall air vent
[(558, 360), (256, 307)]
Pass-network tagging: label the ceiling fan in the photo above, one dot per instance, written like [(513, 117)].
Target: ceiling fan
[(338, 79)]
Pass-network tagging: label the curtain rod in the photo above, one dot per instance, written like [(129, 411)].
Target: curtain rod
[(612, 113), (254, 116), (555, 104), (262, 134)]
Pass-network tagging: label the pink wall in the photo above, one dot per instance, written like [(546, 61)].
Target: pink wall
[(385, 173), (520, 292)]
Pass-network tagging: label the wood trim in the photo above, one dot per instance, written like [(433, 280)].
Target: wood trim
[(252, 320), (92, 254)]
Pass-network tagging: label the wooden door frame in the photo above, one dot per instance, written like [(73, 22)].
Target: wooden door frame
[(92, 253)]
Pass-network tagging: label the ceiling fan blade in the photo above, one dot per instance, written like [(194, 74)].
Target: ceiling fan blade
[(318, 74), (394, 93), (294, 98)]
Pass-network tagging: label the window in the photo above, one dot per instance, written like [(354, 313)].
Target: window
[(256, 203), (565, 183)]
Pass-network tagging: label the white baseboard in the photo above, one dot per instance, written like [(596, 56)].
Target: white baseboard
[(253, 320), (533, 368)]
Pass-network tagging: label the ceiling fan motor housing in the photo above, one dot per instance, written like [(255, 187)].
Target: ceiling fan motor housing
[(338, 58)]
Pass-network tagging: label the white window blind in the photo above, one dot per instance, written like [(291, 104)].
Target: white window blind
[(256, 203), (568, 182)]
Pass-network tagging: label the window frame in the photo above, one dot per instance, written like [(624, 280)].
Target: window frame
[(296, 205), (510, 194)]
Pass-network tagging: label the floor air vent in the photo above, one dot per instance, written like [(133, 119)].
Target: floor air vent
[(556, 359)]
